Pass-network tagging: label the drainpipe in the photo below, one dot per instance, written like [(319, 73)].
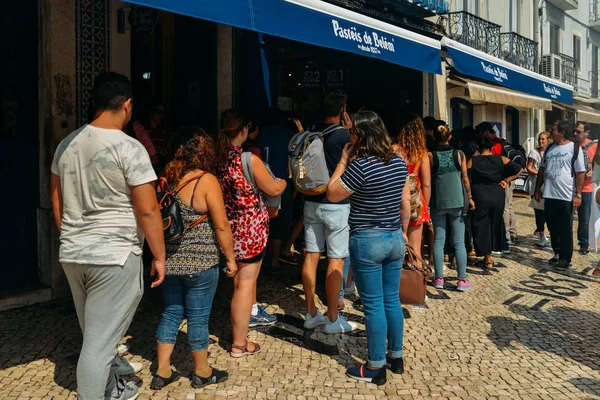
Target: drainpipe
[(538, 36)]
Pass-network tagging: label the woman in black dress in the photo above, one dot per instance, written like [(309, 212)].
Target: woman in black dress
[(488, 172)]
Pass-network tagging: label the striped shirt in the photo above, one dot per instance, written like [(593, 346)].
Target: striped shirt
[(376, 192)]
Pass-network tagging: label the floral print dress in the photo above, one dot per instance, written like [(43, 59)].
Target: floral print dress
[(247, 214)]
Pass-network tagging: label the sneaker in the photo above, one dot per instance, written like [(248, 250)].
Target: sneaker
[(396, 365), (438, 283), (341, 305), (126, 390), (263, 318), (507, 251), (463, 285), (350, 289), (542, 241), (121, 366), (584, 250), (339, 326), (553, 260), (289, 259), (159, 382), (497, 253), (362, 373), (313, 322), (216, 377), (122, 349), (562, 265)]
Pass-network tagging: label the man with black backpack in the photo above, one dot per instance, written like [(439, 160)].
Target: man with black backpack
[(563, 173), (582, 131)]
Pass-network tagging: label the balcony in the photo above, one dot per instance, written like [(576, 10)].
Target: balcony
[(565, 5), (519, 50), (595, 84), (475, 32), (595, 15), (569, 70)]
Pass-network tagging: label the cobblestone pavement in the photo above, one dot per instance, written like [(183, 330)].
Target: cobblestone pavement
[(523, 332)]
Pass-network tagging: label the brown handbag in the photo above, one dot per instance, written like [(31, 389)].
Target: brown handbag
[(413, 280)]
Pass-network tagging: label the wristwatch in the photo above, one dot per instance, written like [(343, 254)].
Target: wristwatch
[(578, 195)]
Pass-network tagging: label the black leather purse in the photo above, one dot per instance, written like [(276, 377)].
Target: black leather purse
[(173, 226)]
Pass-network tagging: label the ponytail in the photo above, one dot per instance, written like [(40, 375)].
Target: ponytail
[(232, 123)]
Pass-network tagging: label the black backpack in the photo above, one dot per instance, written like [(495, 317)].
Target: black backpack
[(515, 153)]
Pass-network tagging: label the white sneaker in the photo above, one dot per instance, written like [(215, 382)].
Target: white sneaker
[(351, 289), (543, 241), (122, 349), (121, 366), (313, 322), (496, 253), (339, 326)]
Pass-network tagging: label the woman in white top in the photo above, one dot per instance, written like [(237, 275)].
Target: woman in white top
[(533, 165)]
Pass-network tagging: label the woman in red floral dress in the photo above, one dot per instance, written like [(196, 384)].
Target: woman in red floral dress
[(248, 218)]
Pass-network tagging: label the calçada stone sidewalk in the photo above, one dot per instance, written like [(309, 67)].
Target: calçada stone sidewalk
[(523, 332)]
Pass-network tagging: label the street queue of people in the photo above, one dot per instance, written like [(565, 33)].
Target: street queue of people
[(382, 196)]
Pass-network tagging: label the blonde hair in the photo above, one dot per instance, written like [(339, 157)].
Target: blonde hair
[(411, 140)]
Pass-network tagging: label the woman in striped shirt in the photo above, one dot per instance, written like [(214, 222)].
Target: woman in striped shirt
[(374, 179)]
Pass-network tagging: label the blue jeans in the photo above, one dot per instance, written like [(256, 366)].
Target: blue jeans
[(188, 296), (583, 217), (457, 224), (345, 276), (377, 262)]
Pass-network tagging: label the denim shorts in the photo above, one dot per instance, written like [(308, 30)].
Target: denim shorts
[(327, 225)]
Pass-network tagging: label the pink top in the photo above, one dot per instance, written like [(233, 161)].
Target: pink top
[(142, 135), (247, 215)]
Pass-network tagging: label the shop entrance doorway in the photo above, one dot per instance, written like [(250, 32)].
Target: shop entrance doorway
[(19, 144)]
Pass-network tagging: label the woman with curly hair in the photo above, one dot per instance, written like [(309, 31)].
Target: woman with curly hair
[(410, 145), (249, 221), (192, 260)]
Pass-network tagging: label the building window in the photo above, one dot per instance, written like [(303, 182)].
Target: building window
[(554, 39), (577, 51), (471, 6)]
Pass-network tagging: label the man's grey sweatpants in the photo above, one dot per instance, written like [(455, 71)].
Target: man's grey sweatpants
[(105, 298), (510, 222)]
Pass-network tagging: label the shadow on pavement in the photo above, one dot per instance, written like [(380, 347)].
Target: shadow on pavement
[(567, 332)]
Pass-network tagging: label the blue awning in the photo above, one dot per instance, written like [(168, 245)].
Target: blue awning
[(315, 22), (472, 62)]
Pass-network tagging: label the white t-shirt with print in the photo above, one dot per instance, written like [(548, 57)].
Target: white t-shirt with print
[(560, 181), (96, 168)]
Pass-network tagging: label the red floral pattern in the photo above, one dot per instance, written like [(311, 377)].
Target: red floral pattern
[(247, 215), (425, 217)]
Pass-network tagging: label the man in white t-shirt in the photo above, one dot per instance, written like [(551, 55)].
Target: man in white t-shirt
[(563, 172), (104, 203)]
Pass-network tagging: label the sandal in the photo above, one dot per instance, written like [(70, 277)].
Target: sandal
[(244, 350), (159, 382)]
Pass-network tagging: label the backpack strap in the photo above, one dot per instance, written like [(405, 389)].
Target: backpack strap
[(587, 146), (330, 129), (194, 191), (248, 173)]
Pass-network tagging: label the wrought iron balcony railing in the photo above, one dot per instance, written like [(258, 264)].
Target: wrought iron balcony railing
[(475, 32), (569, 70), (519, 50), (595, 84)]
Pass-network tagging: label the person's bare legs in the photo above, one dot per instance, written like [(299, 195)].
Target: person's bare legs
[(294, 233), (415, 234), (276, 245), (241, 303), (309, 281), (333, 286), (201, 366), (164, 352), (254, 290)]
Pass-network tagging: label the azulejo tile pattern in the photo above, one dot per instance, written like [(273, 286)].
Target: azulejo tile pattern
[(92, 43), (524, 331)]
